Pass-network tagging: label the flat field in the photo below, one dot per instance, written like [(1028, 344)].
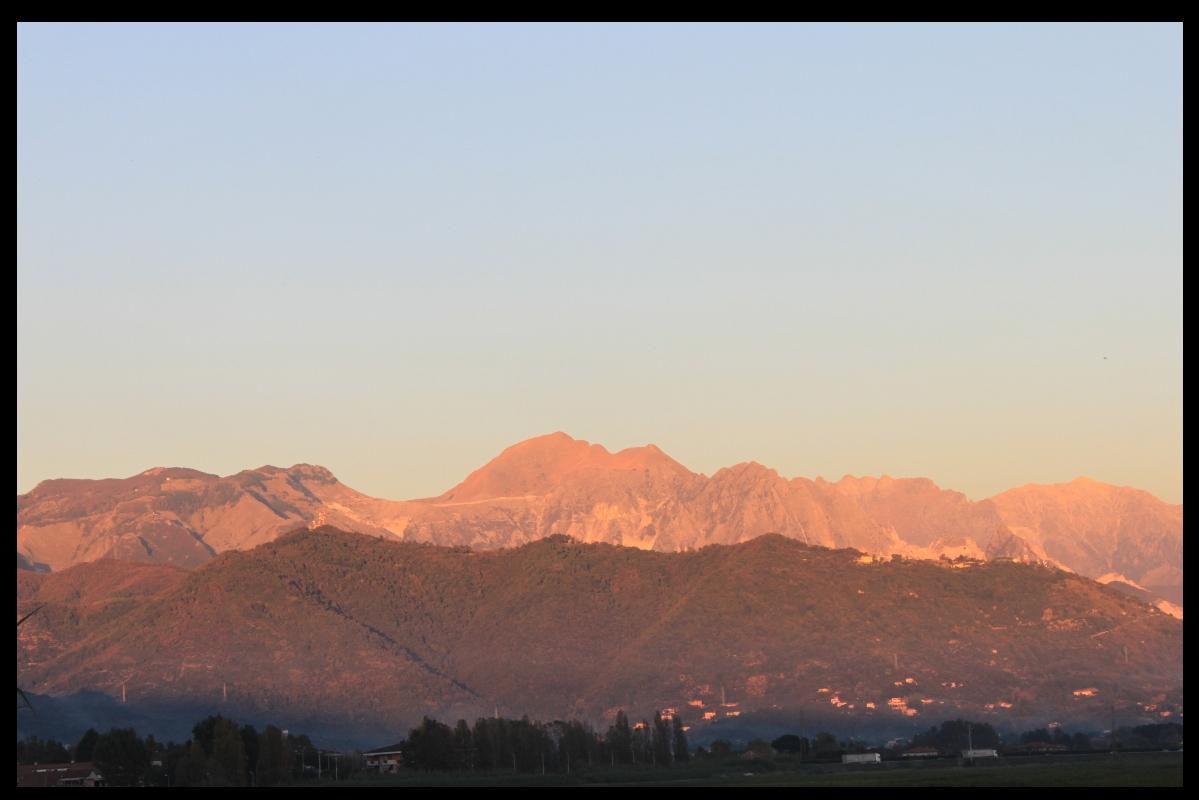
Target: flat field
[(1097, 769)]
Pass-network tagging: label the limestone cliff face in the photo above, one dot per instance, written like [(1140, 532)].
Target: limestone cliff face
[(637, 497), (181, 517), (1096, 528)]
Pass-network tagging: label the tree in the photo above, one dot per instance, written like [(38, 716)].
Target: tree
[(301, 753), (228, 762), (1038, 735), (760, 748), (33, 750), (1167, 735), (289, 761), (530, 745), (661, 740), (620, 739), (790, 743), (464, 747), (270, 757), (826, 744), (679, 747), (960, 734), (249, 738), (642, 743), (121, 757), (87, 745), (576, 745), (193, 767), (430, 746), (486, 737), (157, 775), (204, 732)]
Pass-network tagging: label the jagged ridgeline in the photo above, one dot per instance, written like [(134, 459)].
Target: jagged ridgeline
[(638, 497), (325, 626)]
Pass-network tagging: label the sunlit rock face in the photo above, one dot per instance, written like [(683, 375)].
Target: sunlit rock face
[(638, 497)]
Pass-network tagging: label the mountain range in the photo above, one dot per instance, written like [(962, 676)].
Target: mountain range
[(638, 497), (321, 628)]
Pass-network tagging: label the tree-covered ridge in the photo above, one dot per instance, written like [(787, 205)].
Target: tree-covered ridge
[(368, 631)]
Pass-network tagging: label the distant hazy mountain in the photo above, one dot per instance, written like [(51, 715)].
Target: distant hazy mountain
[(638, 497), (328, 628)]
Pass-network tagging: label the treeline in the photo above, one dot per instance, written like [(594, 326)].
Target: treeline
[(953, 736), (1157, 736), (956, 735), (220, 753), (524, 746), (32, 750), (1150, 737), (223, 753)]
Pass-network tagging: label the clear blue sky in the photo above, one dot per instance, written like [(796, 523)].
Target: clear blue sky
[(941, 250)]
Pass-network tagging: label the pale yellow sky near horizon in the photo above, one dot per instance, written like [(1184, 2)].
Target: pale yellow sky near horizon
[(946, 251)]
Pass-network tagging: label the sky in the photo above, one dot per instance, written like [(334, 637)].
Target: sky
[(952, 251)]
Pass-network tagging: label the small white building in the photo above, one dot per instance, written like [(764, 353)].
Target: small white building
[(985, 753), (385, 759), (861, 758)]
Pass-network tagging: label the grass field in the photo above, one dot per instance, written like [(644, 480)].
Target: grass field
[(1100, 769)]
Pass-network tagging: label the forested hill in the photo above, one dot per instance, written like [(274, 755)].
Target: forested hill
[(325, 625)]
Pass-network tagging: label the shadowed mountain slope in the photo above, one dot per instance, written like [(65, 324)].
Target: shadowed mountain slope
[(325, 625)]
